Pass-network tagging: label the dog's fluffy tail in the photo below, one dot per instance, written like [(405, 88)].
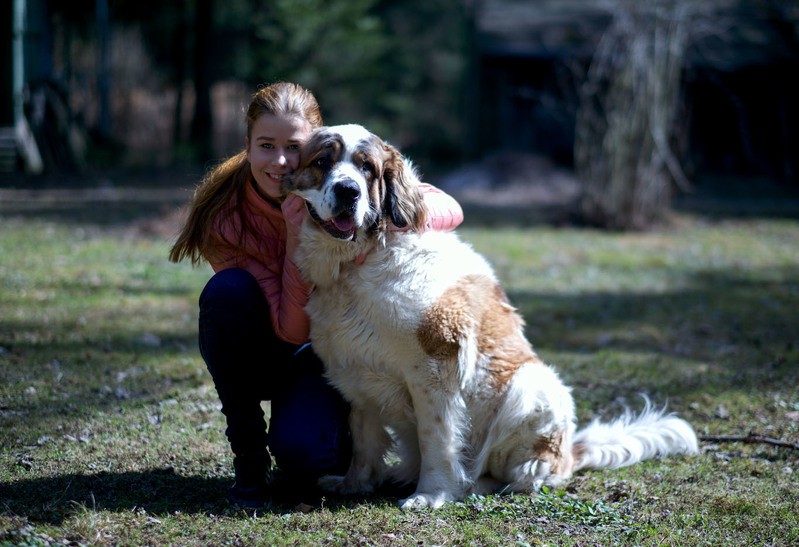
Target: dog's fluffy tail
[(633, 438)]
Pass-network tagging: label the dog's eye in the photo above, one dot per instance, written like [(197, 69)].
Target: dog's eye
[(322, 163), (368, 167)]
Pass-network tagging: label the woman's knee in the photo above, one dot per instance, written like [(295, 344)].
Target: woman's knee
[(234, 288), (234, 327)]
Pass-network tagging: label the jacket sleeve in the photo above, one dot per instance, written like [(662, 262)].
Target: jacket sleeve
[(292, 323), (444, 213), (285, 290)]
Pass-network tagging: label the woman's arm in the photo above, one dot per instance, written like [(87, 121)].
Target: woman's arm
[(285, 290)]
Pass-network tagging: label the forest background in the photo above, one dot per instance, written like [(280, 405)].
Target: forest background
[(613, 107)]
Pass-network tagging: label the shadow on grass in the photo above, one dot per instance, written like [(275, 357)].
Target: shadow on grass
[(97, 213), (724, 331), (104, 206), (59, 381), (159, 491)]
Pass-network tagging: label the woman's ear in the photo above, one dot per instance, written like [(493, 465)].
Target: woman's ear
[(403, 202)]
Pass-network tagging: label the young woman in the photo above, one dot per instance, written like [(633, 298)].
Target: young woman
[(253, 330)]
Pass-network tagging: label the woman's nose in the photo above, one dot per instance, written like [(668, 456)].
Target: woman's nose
[(280, 158)]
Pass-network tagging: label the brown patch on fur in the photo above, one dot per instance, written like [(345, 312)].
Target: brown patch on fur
[(501, 336), (444, 324), (478, 304), (322, 150), (549, 449)]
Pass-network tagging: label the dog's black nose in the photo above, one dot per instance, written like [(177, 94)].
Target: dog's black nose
[(347, 192)]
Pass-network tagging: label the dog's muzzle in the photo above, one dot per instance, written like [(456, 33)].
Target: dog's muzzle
[(342, 226)]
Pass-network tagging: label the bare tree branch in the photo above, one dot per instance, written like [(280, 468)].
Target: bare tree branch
[(750, 438)]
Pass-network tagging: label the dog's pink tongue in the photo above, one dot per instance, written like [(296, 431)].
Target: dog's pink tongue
[(344, 223)]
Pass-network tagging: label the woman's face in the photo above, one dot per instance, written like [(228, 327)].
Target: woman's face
[(273, 150)]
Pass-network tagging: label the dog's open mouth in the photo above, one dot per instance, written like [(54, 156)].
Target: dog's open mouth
[(342, 226)]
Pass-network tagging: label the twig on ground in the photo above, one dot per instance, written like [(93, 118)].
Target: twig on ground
[(751, 438)]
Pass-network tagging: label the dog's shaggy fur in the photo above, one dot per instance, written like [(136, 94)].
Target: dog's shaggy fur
[(416, 332)]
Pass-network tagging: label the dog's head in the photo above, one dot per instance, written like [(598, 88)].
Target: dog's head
[(355, 184)]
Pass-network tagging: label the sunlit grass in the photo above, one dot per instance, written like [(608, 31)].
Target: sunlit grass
[(111, 432)]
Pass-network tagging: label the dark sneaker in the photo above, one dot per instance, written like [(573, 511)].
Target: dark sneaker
[(250, 488), (251, 497)]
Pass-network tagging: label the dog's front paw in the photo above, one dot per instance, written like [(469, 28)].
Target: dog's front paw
[(422, 500)]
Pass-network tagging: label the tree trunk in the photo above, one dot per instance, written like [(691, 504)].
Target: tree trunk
[(626, 116), (103, 70), (202, 123), (179, 46)]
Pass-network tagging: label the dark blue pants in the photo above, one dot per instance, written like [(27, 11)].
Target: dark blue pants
[(308, 431)]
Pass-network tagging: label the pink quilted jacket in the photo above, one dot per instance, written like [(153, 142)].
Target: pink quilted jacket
[(265, 257)]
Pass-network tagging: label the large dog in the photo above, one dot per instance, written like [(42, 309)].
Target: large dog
[(416, 332)]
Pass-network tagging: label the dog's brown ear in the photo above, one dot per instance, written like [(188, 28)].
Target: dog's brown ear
[(403, 202)]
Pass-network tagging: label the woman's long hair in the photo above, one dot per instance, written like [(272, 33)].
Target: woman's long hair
[(221, 191)]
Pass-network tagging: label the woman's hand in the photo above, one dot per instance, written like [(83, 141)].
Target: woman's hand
[(294, 212)]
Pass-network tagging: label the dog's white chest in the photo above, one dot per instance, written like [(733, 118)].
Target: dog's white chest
[(362, 323), (365, 326)]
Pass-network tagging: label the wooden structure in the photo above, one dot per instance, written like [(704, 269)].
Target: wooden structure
[(739, 115)]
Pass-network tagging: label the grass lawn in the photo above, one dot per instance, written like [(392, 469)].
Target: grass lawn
[(110, 431)]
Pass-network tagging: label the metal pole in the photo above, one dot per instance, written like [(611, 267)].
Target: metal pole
[(26, 143)]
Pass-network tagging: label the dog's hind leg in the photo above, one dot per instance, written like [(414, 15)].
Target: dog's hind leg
[(537, 423)]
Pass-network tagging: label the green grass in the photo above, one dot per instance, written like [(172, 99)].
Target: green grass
[(110, 431)]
